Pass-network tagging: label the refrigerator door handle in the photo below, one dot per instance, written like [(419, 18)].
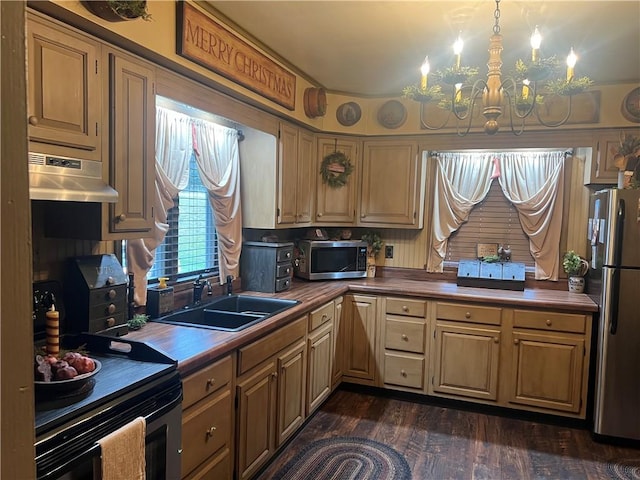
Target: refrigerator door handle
[(615, 280)]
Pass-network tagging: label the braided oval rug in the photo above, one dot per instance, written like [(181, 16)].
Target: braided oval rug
[(346, 458)]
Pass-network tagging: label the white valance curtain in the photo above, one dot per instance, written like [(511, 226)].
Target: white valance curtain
[(178, 136), (532, 181)]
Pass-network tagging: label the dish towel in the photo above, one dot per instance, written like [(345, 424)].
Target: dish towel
[(123, 452)]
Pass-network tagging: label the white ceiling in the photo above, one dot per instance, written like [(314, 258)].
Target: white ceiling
[(364, 47)]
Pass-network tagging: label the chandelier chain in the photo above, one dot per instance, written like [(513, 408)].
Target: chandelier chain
[(496, 15)]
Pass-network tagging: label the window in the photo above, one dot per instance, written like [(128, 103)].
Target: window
[(191, 244), (494, 220)]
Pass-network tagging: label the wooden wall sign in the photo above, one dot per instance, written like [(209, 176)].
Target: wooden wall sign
[(203, 40)]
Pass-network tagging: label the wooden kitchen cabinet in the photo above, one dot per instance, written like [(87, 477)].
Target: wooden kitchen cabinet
[(132, 131), (393, 185), (64, 91), (278, 190), (338, 344), (207, 428), (404, 332), (466, 351), (270, 394), (549, 360), (320, 345), (359, 319), (337, 205)]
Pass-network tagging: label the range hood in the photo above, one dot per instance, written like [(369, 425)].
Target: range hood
[(67, 179)]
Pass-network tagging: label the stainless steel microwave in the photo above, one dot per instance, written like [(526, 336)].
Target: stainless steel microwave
[(330, 260)]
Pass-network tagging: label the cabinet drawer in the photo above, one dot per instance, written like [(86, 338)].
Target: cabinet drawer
[(283, 284), (206, 381), (216, 468), (403, 370), (260, 350), (559, 322), (403, 334), (320, 316), (284, 254), (206, 428), (403, 306), (283, 270), (468, 313)]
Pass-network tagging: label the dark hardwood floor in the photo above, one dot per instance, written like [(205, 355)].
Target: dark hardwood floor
[(447, 443)]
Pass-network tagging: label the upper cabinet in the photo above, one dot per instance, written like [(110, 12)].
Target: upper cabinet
[(393, 185), (337, 205), (64, 91), (277, 184), (131, 145)]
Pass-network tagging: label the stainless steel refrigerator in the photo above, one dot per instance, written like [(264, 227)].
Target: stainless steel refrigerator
[(614, 283)]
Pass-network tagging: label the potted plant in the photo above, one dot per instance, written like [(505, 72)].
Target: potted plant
[(374, 245), (118, 10), (576, 268)]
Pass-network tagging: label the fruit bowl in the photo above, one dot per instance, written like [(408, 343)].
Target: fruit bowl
[(79, 384)]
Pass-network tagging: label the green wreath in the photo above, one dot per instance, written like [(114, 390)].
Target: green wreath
[(335, 169)]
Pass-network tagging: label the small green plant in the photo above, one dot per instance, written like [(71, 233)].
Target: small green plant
[(374, 242), (130, 8), (138, 321), (574, 265)]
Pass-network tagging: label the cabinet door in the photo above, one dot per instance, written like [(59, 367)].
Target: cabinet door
[(256, 419), (337, 205), (64, 100), (132, 145), (391, 185), (306, 178), (466, 360), (338, 344), (291, 391), (319, 383), (288, 174), (360, 328), (547, 370), (602, 169)]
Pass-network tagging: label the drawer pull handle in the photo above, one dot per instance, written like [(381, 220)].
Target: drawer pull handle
[(274, 375), (516, 341), (404, 336), (33, 120), (496, 340), (210, 432), (405, 308), (319, 214), (121, 218), (324, 317), (549, 322), (288, 255), (467, 315), (403, 373), (211, 382)]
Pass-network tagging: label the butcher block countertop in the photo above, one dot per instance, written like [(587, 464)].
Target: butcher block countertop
[(193, 347)]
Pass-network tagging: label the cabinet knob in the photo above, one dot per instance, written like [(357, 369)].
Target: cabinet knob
[(33, 120), (288, 255), (496, 340), (324, 317), (287, 271), (467, 315), (319, 214), (111, 294), (211, 382), (549, 322), (404, 336), (110, 322), (274, 375), (516, 341), (403, 373), (121, 218), (210, 431), (111, 309), (363, 216), (405, 308)]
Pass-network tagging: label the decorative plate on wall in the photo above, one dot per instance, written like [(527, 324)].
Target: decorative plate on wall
[(392, 114), (631, 105), (348, 114)]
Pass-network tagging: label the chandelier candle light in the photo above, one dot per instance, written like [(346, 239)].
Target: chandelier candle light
[(520, 94)]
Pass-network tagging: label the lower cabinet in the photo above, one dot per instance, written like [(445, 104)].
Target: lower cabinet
[(549, 361), (359, 319), (270, 395), (207, 425), (337, 351), (320, 343)]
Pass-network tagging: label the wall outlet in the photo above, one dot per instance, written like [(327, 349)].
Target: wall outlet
[(388, 251)]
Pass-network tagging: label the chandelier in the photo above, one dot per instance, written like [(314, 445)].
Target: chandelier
[(521, 95)]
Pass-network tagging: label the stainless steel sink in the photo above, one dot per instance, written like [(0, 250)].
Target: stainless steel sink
[(231, 313)]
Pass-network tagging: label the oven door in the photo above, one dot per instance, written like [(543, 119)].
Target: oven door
[(74, 454)]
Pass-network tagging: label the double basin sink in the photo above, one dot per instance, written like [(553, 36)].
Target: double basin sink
[(231, 313)]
